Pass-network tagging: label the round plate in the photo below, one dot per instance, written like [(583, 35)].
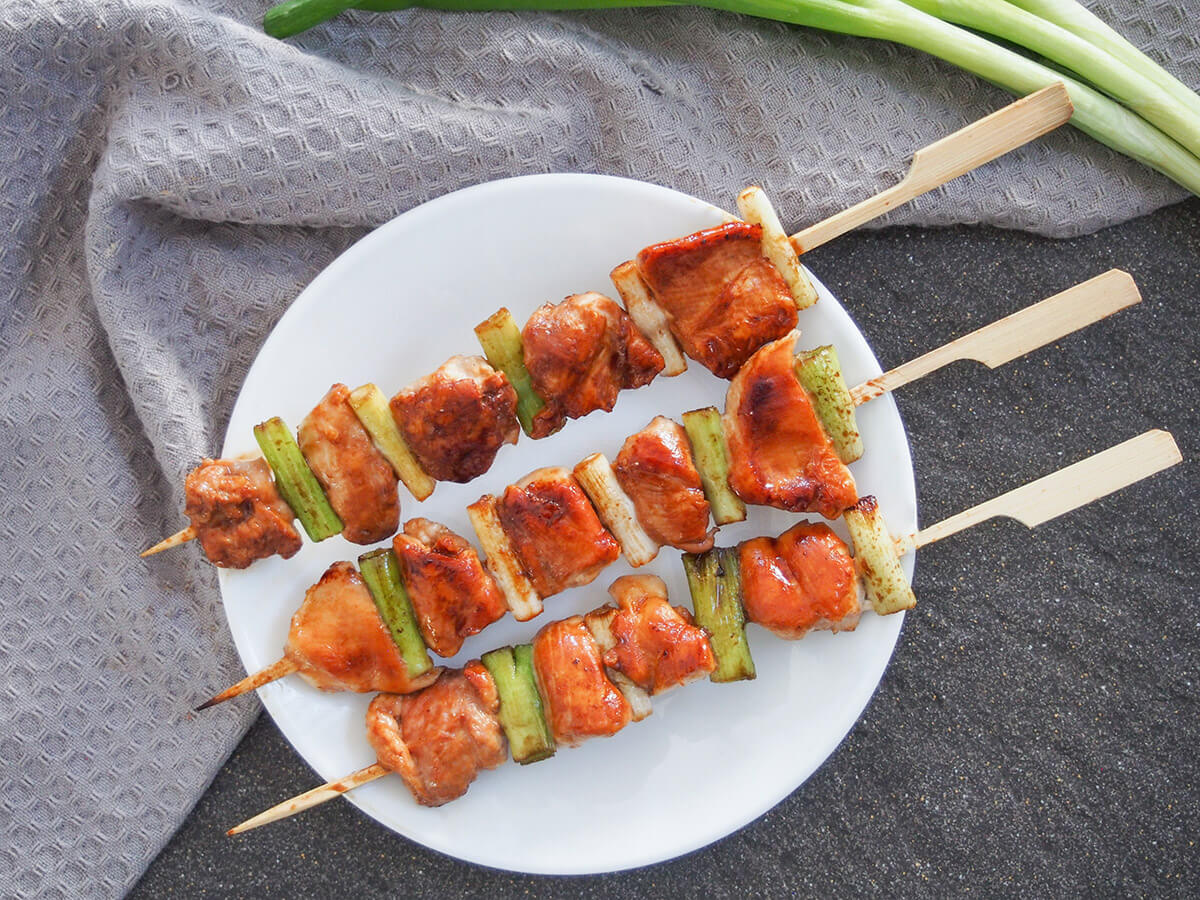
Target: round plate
[(712, 757)]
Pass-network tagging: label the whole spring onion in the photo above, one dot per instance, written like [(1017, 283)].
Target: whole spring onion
[(1059, 30)]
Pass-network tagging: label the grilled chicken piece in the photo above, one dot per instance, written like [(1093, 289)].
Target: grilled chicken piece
[(724, 298), (439, 739), (580, 354), (451, 593), (779, 454), (358, 480), (237, 513), (655, 645), (656, 469), (456, 419), (800, 581), (581, 701), (340, 643), (555, 531)]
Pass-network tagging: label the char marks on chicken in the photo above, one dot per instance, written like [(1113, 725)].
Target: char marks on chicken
[(555, 531), (357, 479), (723, 297), (452, 594), (237, 513), (656, 469), (779, 454), (580, 354), (581, 701), (438, 740), (339, 642), (457, 418)]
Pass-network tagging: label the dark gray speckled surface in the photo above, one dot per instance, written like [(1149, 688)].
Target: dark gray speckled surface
[(1036, 731)]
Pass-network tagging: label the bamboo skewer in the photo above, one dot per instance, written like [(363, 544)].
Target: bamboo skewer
[(954, 155), (1022, 332), (1032, 504), (273, 672), (180, 537)]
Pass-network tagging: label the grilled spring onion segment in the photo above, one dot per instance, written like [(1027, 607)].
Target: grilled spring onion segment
[(776, 245), (876, 559), (648, 316), (501, 341), (707, 437), (295, 480), (381, 571), (715, 580), (600, 483), (501, 560), (820, 374), (521, 713), (371, 407)]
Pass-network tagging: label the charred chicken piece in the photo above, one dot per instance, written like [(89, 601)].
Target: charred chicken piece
[(452, 594), (439, 739), (555, 531), (237, 513), (581, 701), (456, 419), (724, 298), (339, 642), (800, 581), (358, 480), (656, 469), (779, 454), (655, 645), (580, 354)]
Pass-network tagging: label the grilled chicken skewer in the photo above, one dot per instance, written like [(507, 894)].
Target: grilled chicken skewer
[(804, 580)]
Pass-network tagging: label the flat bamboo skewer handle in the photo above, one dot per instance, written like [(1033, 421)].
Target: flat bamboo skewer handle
[(309, 799), (954, 155), (1018, 334), (1060, 492)]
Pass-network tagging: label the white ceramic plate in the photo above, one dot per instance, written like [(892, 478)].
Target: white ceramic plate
[(712, 757)]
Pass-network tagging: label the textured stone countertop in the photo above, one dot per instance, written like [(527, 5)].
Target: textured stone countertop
[(1036, 730)]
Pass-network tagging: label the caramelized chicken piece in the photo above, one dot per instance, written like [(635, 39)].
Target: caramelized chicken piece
[(779, 454), (724, 298), (655, 645), (555, 531), (580, 354), (237, 513), (656, 469), (456, 419), (340, 643), (802, 580), (439, 739), (358, 480), (451, 593), (581, 702)]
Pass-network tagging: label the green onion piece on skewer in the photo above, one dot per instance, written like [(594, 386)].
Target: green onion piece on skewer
[(371, 407), (820, 374), (501, 341), (715, 580), (707, 438), (295, 480), (876, 559), (381, 571), (521, 713)]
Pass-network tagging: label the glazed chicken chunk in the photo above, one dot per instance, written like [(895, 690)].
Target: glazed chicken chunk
[(655, 645), (439, 739), (452, 594), (656, 469), (800, 581), (358, 480), (779, 454), (237, 513), (456, 419), (340, 643), (555, 531), (580, 354), (724, 298), (581, 701)]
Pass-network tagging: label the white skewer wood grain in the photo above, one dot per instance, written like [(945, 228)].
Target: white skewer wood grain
[(309, 799)]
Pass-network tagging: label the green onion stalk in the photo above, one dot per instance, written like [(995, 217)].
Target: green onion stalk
[(1160, 124)]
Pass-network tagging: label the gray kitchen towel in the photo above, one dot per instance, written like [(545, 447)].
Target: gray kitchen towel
[(170, 179)]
